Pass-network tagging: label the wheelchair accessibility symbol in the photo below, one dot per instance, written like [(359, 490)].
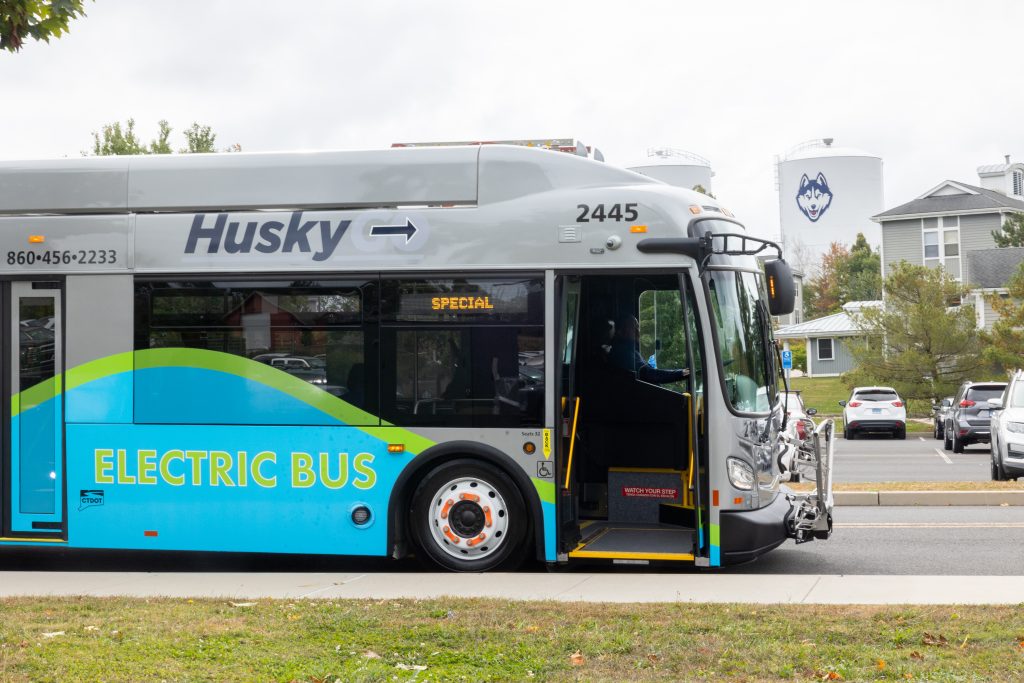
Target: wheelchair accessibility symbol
[(543, 469)]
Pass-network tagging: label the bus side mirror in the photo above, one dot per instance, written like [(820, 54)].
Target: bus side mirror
[(812, 411), (781, 287), (842, 404)]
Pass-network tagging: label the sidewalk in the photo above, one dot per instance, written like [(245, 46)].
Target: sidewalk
[(937, 498), (569, 587)]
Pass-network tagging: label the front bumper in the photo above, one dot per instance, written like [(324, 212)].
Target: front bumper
[(747, 534), (1012, 459)]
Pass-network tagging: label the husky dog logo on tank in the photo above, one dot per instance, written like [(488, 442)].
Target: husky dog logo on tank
[(814, 197)]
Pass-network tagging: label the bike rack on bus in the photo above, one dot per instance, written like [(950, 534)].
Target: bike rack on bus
[(812, 513)]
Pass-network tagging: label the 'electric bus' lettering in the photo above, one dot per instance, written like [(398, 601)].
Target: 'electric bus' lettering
[(220, 468)]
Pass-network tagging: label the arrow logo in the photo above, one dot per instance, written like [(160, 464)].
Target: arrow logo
[(390, 230)]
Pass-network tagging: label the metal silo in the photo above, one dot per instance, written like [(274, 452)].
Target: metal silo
[(675, 167), (826, 194)]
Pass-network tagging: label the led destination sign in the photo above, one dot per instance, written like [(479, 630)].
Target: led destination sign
[(461, 303)]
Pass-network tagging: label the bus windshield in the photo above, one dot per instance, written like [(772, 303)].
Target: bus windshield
[(740, 321)]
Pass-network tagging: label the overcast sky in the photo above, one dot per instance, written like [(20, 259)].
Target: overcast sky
[(934, 88)]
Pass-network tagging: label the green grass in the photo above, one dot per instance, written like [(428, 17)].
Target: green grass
[(822, 393), (492, 640), (825, 393)]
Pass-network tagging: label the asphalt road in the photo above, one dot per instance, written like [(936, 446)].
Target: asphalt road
[(952, 541), (919, 458)]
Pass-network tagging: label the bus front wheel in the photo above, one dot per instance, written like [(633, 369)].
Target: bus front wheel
[(469, 516)]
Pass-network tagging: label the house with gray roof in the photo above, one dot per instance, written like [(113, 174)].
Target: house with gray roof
[(828, 339), (944, 225), (992, 270)]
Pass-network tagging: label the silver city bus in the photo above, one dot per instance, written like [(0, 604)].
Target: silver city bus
[(475, 354)]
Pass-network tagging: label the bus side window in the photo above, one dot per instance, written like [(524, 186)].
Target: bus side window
[(318, 331), (462, 352)]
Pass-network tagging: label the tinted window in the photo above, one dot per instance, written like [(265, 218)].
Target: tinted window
[(310, 329), (463, 352), (1017, 395), (876, 395), (984, 393)]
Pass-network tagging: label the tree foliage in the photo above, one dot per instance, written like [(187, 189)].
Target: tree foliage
[(862, 273), (1004, 343), (823, 293), (844, 275), (35, 19), (115, 139), (700, 188), (921, 343), (1012, 232)]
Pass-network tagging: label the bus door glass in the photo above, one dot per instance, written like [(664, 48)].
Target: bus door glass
[(35, 489), (568, 311)]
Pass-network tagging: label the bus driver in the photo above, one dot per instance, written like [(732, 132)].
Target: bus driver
[(625, 355)]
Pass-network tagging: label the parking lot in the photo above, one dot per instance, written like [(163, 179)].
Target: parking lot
[(918, 458)]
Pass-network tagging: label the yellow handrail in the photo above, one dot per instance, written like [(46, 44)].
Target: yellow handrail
[(690, 435), (572, 442)]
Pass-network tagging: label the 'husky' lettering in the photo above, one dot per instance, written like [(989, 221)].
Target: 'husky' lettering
[(266, 238)]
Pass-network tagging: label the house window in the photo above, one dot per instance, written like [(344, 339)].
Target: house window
[(1018, 183), (825, 350), (941, 243)]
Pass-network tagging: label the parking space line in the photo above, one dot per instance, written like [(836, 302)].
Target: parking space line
[(943, 456), (920, 438)]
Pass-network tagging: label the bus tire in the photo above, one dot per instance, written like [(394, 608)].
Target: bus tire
[(469, 516)]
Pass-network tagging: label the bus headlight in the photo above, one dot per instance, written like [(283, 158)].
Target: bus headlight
[(1015, 427), (741, 474)]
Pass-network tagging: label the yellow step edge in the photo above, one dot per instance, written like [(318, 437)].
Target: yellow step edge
[(32, 540), (658, 470), (597, 554)]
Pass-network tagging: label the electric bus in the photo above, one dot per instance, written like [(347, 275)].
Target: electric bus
[(476, 355)]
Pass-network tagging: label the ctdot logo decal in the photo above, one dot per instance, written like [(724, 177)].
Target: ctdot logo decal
[(814, 197), (90, 499)]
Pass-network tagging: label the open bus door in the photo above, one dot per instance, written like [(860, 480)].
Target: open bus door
[(631, 475), (32, 490)]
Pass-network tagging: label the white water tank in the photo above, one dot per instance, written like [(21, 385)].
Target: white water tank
[(826, 194), (675, 167)]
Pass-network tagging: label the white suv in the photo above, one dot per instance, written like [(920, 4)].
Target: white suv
[(874, 409), (1008, 431)]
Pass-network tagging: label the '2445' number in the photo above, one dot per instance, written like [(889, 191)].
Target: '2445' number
[(617, 212)]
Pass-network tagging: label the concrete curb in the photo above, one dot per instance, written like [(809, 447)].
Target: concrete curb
[(934, 498), (772, 589)]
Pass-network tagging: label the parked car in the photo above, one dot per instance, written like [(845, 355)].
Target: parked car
[(799, 425), (874, 410), (969, 420), (1007, 425), (939, 413)]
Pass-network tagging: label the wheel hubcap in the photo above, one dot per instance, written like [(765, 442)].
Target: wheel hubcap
[(468, 518)]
